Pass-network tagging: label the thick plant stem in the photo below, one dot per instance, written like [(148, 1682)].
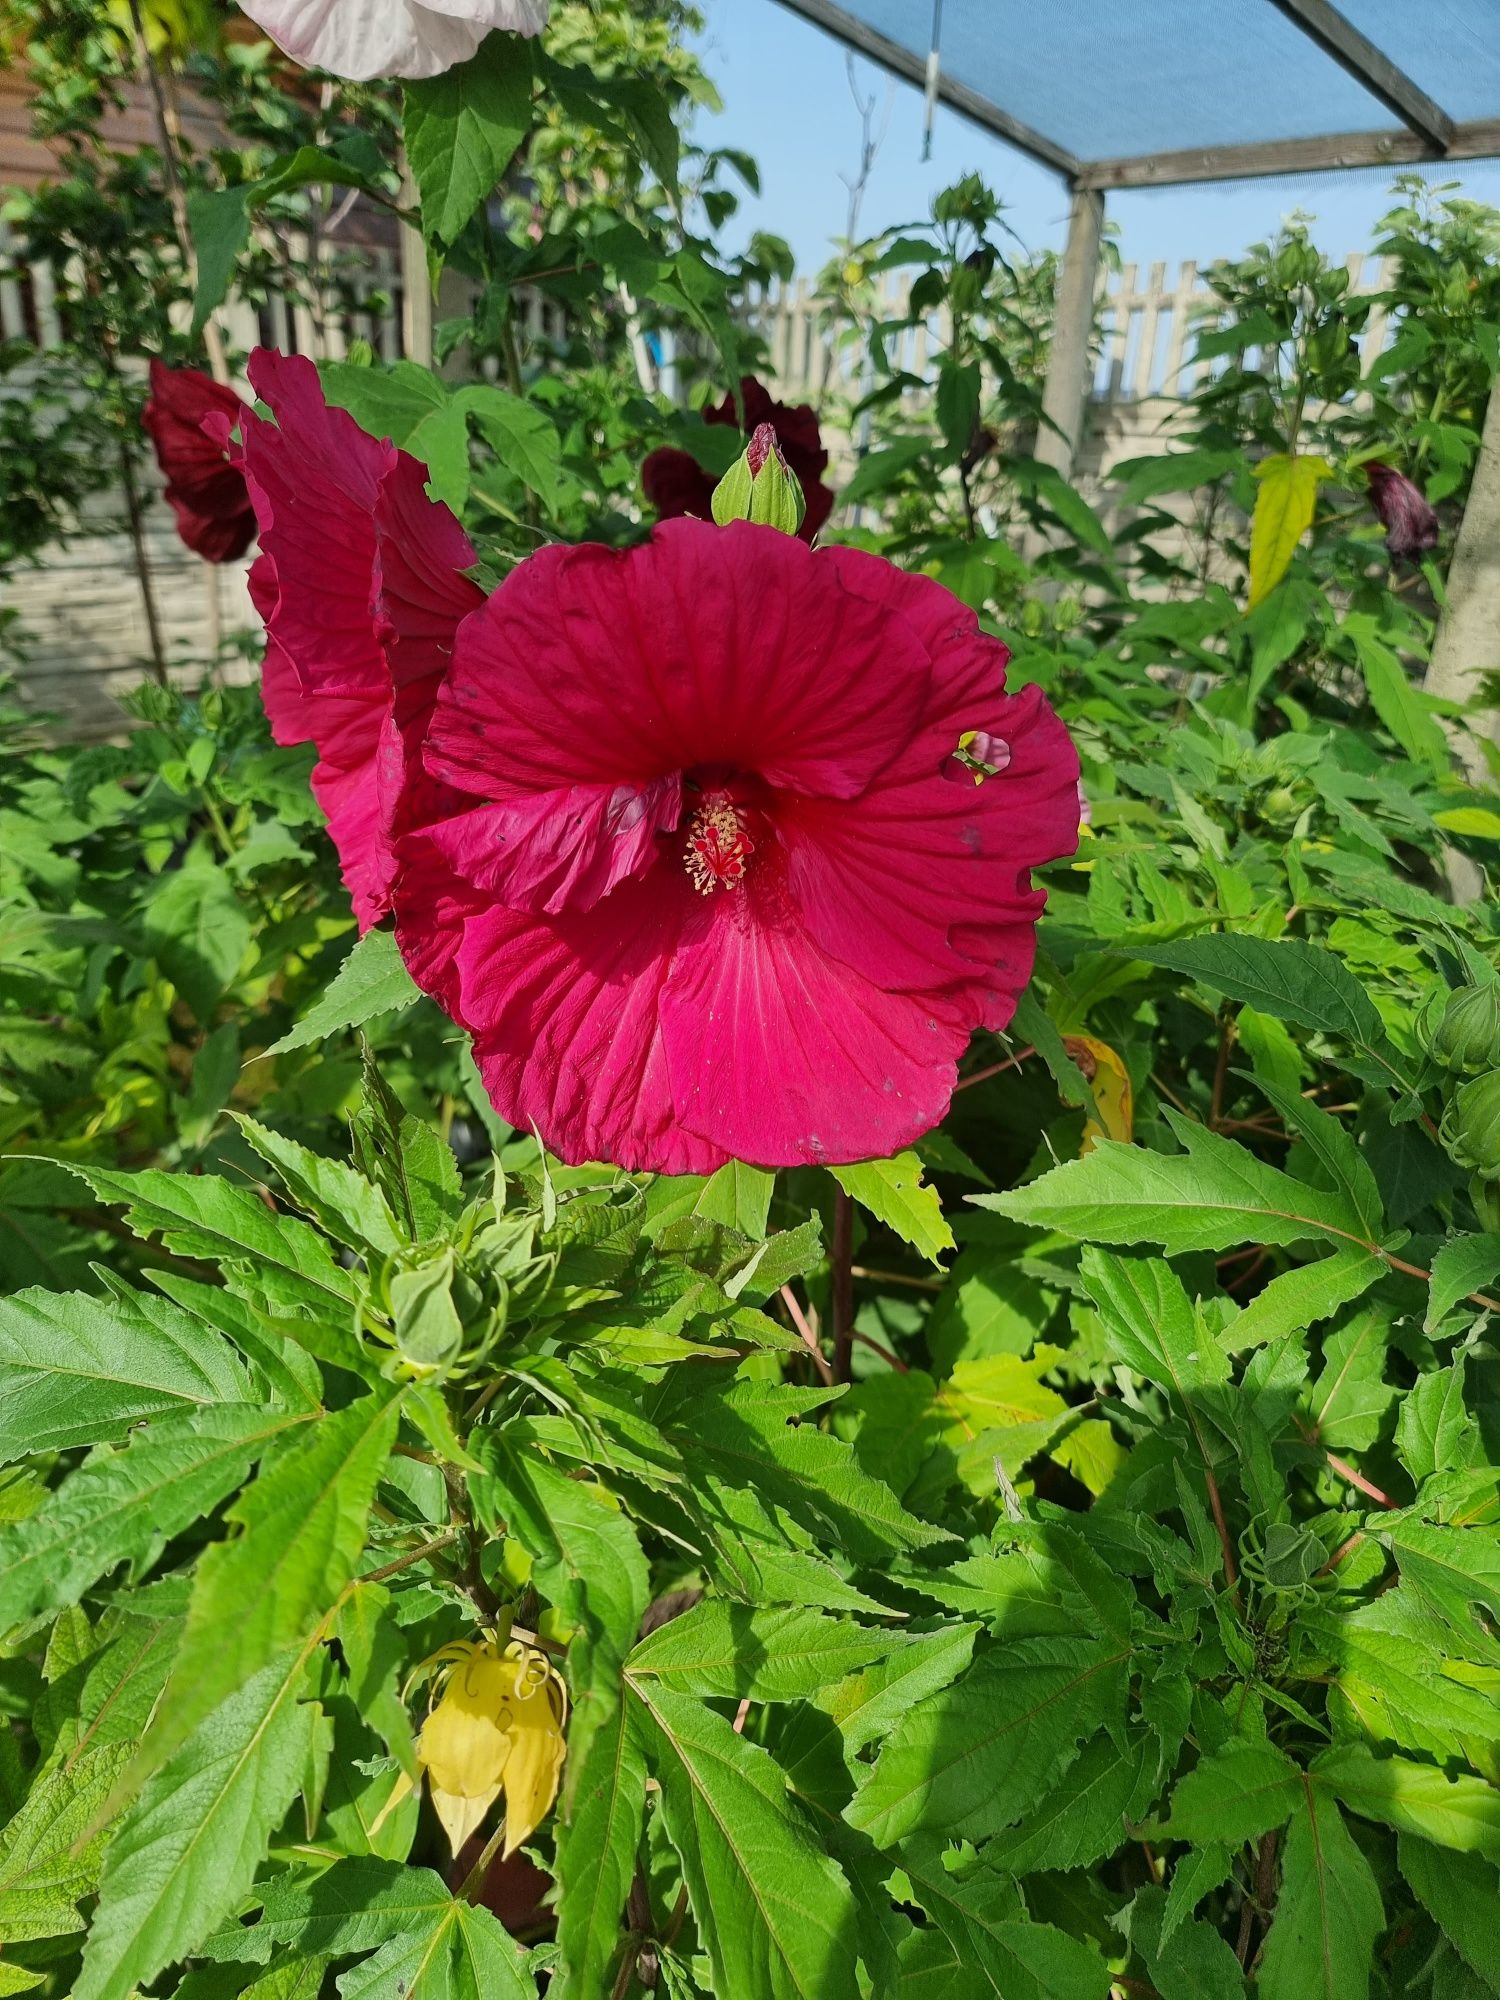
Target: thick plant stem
[(135, 521), (841, 1257)]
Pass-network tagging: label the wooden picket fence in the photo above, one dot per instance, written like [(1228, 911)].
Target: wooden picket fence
[(1146, 322), (81, 609)]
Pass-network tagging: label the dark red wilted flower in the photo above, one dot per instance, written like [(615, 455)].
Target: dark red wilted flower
[(676, 484), (360, 584), (204, 491), (1411, 525), (708, 893)]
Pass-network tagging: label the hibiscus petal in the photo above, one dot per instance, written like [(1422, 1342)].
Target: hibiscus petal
[(553, 851), (315, 476), (778, 669), (563, 1010), (927, 884), (360, 585), (204, 490), (781, 1056), (362, 39)]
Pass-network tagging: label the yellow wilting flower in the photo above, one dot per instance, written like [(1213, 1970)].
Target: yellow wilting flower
[(496, 1726)]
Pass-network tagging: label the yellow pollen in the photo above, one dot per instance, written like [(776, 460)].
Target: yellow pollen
[(718, 847)]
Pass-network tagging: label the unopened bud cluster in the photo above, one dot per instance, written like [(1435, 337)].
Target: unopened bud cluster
[(1466, 1040)]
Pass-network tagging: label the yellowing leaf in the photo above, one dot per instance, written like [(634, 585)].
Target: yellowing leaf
[(1473, 822), (1110, 1079), (1283, 514)]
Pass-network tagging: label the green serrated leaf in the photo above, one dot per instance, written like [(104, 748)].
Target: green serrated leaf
[(1328, 1912), (123, 1506), (977, 1755), (1454, 1811), (1236, 1795), (50, 1848), (208, 1218), (462, 130), (597, 1848), (895, 1194), (1461, 1892), (371, 981), (188, 1848), (1463, 1265), (1212, 1196), (302, 1526), (765, 1655), (79, 1370), (774, 1914)]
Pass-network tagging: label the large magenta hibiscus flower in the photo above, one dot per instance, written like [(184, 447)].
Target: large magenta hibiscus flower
[(360, 584), (205, 492), (676, 484), (720, 888), (678, 834)]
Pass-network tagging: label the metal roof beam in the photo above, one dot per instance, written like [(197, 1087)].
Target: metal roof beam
[(1322, 154), (907, 63), (1339, 38)]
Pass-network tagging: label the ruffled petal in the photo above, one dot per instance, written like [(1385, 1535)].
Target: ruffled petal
[(554, 851), (363, 39), (360, 585), (708, 647), (563, 1010), (781, 1056)]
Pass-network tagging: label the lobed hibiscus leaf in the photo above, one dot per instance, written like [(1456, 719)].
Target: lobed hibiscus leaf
[(777, 1654), (462, 131), (371, 982), (774, 1913), (977, 1756), (894, 1193), (79, 1370), (1211, 1196), (301, 1528), (275, 1255), (604, 1813), (188, 1848), (124, 1506), (1328, 1911)]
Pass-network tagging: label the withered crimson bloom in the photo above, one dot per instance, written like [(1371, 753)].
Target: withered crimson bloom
[(360, 584), (205, 492), (686, 846), (676, 484), (1404, 511)]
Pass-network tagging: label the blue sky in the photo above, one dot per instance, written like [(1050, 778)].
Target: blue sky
[(787, 101)]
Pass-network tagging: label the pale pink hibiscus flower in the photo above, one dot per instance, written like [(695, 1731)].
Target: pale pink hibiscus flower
[(361, 39)]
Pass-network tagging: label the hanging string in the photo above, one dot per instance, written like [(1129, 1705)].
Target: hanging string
[(934, 72)]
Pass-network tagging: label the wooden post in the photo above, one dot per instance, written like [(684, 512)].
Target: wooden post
[(416, 279), (1467, 646), (1066, 392)]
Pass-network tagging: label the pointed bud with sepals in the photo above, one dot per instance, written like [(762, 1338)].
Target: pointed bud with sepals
[(1468, 1035), (761, 486), (1471, 1126)]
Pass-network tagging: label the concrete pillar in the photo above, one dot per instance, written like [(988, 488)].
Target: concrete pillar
[(1066, 391), (1467, 645)]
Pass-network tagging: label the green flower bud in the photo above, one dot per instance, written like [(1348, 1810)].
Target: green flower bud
[(1471, 1126), (1468, 1035), (429, 1332), (761, 486)]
